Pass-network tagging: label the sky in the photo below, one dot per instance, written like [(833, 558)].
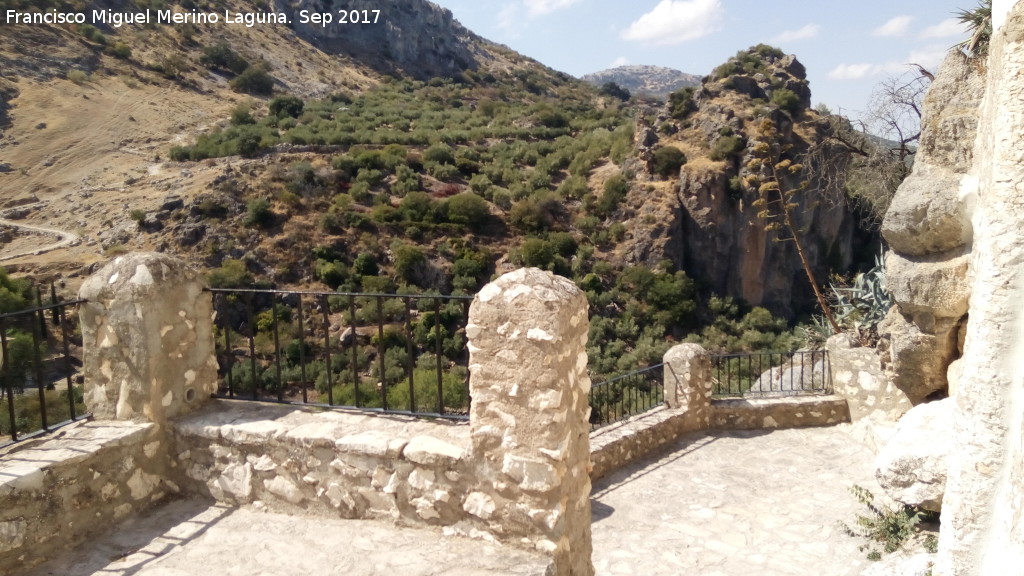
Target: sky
[(847, 47)]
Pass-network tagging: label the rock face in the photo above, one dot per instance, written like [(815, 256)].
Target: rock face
[(929, 231), (982, 512), (708, 223), (912, 466), (418, 37)]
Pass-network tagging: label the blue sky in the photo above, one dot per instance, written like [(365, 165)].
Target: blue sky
[(847, 47)]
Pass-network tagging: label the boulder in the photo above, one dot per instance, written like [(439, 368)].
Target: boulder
[(935, 286), (920, 358), (912, 466), (926, 215)]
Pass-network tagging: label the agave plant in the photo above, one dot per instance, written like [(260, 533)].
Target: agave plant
[(866, 302), (979, 23)]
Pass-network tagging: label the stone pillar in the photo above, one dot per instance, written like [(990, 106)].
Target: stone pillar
[(529, 426), (688, 383), (147, 331)]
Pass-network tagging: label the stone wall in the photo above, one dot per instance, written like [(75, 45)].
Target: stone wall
[(689, 407), (858, 376), (348, 465), (773, 413), (57, 491)]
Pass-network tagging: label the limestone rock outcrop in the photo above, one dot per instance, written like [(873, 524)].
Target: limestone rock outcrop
[(418, 37), (929, 231), (911, 468)]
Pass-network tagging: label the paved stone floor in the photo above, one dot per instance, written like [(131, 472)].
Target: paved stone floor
[(736, 503), (728, 504)]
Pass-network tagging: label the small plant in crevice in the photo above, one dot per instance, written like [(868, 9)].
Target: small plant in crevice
[(888, 526)]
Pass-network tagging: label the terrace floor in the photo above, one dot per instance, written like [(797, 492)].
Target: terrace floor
[(724, 504)]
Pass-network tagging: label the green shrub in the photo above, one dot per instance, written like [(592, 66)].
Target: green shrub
[(241, 115), (467, 209), (92, 33), (119, 50), (286, 106), (615, 190), (667, 161), (537, 213), (258, 214), (726, 147), (888, 526), (787, 100), (537, 253), (78, 76), (681, 103), (254, 80), (439, 153), (231, 274), (221, 57)]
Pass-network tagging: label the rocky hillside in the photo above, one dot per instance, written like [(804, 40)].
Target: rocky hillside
[(655, 81), (409, 157), (711, 219)]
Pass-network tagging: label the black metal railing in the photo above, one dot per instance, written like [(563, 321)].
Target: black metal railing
[(771, 374), (627, 395), (40, 364), (394, 353)]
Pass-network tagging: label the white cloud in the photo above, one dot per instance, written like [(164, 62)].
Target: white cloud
[(676, 21), (509, 20), (851, 71), (620, 61), (809, 31), (894, 27), (945, 29), (541, 7), (928, 57)]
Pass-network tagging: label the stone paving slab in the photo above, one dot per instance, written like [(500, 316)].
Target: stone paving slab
[(186, 538), (736, 503)]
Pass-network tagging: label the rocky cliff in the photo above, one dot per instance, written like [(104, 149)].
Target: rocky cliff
[(958, 251), (416, 38), (930, 236), (708, 221)]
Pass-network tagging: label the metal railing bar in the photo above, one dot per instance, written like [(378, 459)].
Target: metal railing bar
[(323, 293)]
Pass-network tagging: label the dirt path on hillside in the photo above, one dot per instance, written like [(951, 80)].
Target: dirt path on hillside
[(65, 238)]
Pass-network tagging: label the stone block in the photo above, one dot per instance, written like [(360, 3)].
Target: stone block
[(926, 215), (935, 286), (430, 451), (920, 359), (912, 467)]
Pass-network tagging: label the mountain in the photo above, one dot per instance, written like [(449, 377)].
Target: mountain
[(650, 80)]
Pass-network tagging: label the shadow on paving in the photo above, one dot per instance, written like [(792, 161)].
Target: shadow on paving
[(734, 503), (138, 542)]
